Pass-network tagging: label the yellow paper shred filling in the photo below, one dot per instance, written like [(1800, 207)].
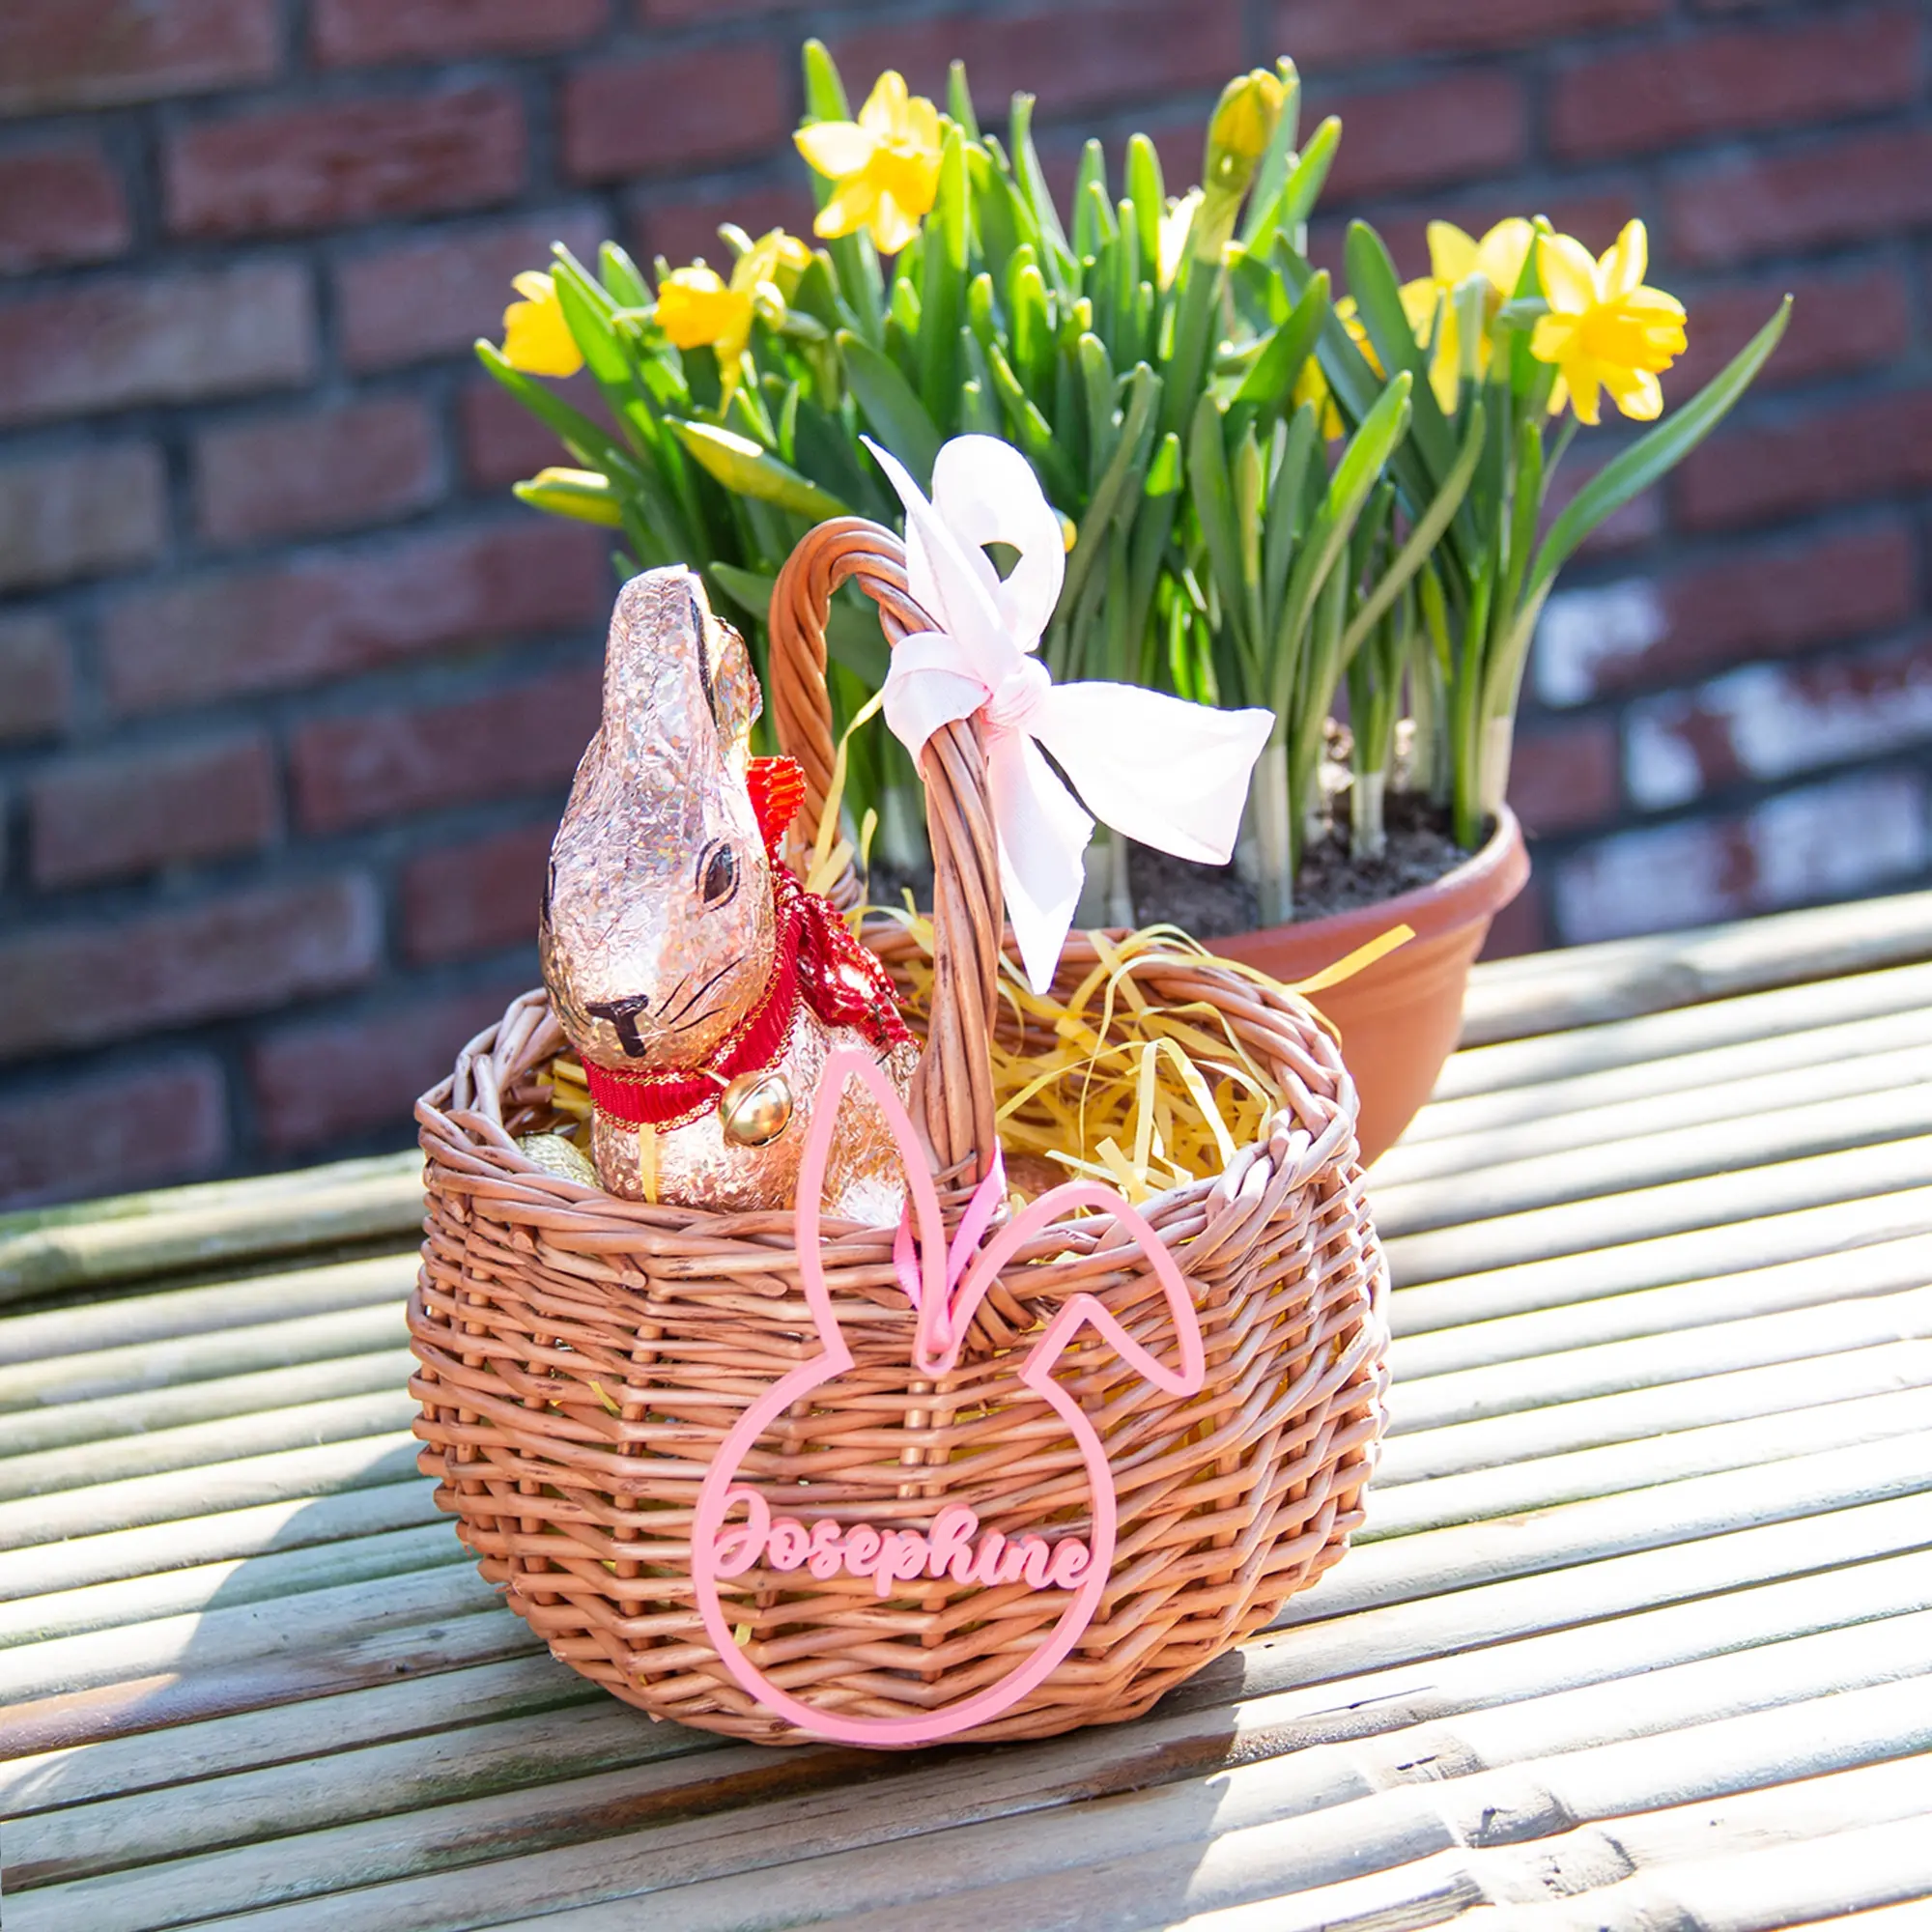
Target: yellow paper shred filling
[(1113, 1085), (1107, 1084)]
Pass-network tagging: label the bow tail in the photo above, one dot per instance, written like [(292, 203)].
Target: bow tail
[(1042, 833), (1161, 771)]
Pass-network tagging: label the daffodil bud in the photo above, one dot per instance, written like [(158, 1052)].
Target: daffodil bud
[(1238, 135), (1238, 138)]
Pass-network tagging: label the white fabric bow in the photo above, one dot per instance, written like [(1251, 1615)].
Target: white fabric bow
[(1167, 773)]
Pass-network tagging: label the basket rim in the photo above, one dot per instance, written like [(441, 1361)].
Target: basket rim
[(483, 1137)]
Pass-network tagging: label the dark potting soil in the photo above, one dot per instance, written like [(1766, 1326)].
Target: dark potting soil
[(1210, 901)]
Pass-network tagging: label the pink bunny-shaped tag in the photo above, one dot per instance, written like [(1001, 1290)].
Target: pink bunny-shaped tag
[(946, 1285)]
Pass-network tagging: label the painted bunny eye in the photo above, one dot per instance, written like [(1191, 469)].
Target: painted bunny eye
[(717, 877)]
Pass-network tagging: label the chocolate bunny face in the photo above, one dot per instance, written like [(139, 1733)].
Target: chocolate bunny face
[(658, 926)]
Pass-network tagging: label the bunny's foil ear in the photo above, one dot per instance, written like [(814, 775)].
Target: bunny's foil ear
[(730, 682), (674, 676)]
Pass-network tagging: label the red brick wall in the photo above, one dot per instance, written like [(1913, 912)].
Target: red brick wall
[(290, 690)]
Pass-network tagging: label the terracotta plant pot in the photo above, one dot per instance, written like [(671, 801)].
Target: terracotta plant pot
[(1399, 1018)]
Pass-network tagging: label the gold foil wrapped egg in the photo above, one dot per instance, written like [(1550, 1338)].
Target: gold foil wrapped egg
[(756, 1109), (558, 1156)]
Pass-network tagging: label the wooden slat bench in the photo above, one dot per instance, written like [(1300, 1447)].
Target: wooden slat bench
[(1639, 1634)]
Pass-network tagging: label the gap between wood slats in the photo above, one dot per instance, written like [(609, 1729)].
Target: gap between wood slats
[(338, 1655), (1291, 1718), (1600, 1595), (1432, 1435), (258, 1531), (1550, 1120), (1341, 1806), (1600, 1651), (174, 1314), (1419, 1401), (1645, 1361), (207, 1642), (1724, 1201), (1433, 1562), (1589, 984), (1432, 1488), (231, 1438), (428, 1545), (1637, 1060), (1666, 1260), (98, 1245), (1787, 1133), (1760, 1888), (1881, 1268), (251, 1348), (1750, 1891), (428, 1709), (1511, 1489), (159, 1413), (45, 1251), (1263, 1833), (1165, 1746), (526, 1752), (289, 1475), (1606, 1420)]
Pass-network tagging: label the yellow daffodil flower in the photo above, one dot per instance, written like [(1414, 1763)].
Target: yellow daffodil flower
[(1604, 329), (536, 338), (1453, 258), (885, 165), (698, 308)]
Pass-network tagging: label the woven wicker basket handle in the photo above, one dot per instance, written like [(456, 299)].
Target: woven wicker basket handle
[(952, 1098)]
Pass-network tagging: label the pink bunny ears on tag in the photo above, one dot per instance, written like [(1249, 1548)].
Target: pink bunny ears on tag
[(951, 1280)]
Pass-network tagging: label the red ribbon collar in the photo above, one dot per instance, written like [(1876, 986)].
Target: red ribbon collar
[(817, 963)]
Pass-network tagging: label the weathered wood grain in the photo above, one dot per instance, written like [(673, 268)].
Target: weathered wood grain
[(1549, 993), (1282, 1823), (362, 1462), (1639, 1634), (1718, 1088), (305, 1734), (1432, 1562), (205, 1586), (1485, 1886), (48, 1250), (1571, 1228), (1646, 1361), (1879, 1267), (1560, 1075), (164, 1547), (1512, 1487), (1645, 1262), (190, 1446), (1657, 1157), (134, 1320), (348, 1654), (159, 1412)]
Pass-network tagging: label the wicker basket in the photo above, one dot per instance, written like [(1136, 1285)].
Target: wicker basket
[(583, 1358)]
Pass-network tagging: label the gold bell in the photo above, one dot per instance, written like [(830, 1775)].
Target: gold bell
[(756, 1109)]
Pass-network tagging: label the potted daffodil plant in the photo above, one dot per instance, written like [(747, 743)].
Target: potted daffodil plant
[(1277, 494)]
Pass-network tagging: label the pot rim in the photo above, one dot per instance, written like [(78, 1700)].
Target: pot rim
[(1478, 888)]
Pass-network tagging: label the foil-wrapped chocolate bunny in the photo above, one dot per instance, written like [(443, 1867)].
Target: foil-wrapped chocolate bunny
[(702, 985)]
